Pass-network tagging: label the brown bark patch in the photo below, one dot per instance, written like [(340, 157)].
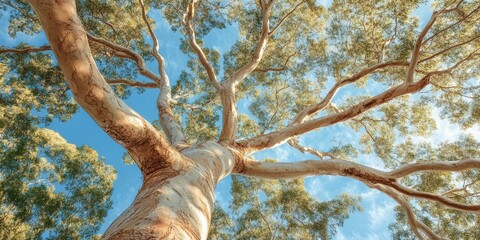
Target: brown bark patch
[(143, 234), (372, 178)]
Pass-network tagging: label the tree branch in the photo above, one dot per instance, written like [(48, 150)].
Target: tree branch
[(285, 17), (452, 25), (274, 138), (110, 25), (418, 44), (435, 166), (69, 42), (188, 23), (416, 50), (25, 50), (449, 48), (279, 69), (229, 111), (292, 170), (312, 109), (462, 189), (127, 53), (247, 69), (155, 53), (167, 120), (437, 198), (277, 103), (368, 175), (412, 220), (295, 143), (131, 83)]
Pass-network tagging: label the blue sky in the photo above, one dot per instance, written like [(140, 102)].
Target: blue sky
[(372, 223)]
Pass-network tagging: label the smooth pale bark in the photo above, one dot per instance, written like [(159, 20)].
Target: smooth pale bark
[(176, 199), (177, 196), (176, 204), (188, 23), (69, 42), (167, 120), (273, 139), (229, 111), (370, 176)]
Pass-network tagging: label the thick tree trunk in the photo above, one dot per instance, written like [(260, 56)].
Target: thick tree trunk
[(176, 203), (177, 196)]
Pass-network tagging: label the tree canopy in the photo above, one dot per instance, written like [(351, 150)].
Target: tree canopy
[(374, 68), (49, 188)]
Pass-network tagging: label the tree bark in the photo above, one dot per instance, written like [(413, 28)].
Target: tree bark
[(69, 43), (177, 203), (177, 196)]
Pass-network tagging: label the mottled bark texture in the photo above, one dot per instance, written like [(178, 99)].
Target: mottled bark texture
[(176, 203), (177, 196)]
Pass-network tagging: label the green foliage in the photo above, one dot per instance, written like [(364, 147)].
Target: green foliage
[(360, 29), (312, 49), (52, 189), (48, 187), (120, 22), (199, 115), (35, 83), (445, 222), (279, 209), (20, 14)]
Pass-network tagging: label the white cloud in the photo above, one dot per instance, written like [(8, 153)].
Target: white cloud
[(339, 235), (358, 236), (351, 188), (446, 131), (281, 153), (372, 161), (370, 195), (372, 236), (317, 188), (378, 215)]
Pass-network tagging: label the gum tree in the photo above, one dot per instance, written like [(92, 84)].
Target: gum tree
[(48, 187), (291, 59)]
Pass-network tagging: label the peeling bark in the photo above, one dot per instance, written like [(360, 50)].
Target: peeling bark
[(176, 203), (69, 42), (177, 196)]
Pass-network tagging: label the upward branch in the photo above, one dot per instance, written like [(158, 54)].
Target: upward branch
[(248, 68), (274, 138), (124, 52), (188, 22), (167, 120), (417, 227), (310, 110), (286, 16), (418, 44), (229, 113), (70, 44)]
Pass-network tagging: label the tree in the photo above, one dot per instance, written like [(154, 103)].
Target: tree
[(286, 209), (291, 59), (35, 162)]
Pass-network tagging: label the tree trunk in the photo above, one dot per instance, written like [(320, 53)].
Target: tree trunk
[(176, 203), (177, 196)]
